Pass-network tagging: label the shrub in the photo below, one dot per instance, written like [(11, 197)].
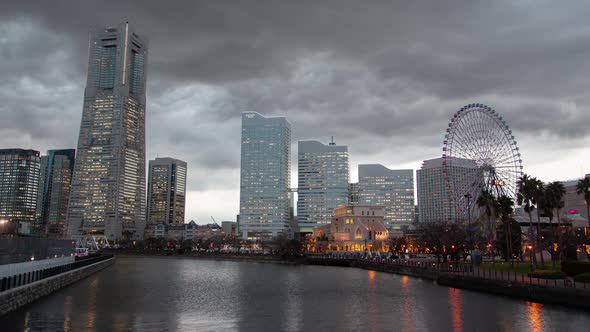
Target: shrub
[(573, 268), (582, 277), (547, 274)]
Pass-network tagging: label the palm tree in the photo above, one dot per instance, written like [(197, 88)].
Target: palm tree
[(505, 209), (488, 201), (583, 188), (554, 193), (529, 192)]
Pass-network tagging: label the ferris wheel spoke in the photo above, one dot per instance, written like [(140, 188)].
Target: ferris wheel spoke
[(478, 134)]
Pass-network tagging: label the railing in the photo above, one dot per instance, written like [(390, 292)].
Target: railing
[(465, 270), (22, 279), (7, 270)]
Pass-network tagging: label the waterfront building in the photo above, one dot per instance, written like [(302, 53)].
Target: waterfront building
[(265, 176), (19, 187), (571, 199), (228, 227), (355, 228), (55, 181), (392, 189), (166, 191), (434, 202), (323, 173), (176, 232), (108, 186)]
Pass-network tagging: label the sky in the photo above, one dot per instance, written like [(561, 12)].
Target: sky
[(383, 77)]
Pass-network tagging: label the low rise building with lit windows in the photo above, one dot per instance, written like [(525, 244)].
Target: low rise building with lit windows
[(355, 228), (177, 232)]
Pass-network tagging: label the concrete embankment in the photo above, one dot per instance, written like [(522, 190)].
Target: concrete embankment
[(576, 297), (17, 297)]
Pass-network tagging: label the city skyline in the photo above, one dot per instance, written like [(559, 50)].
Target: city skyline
[(194, 114)]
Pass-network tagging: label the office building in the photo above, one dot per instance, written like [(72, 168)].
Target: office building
[(55, 182), (264, 176), (323, 173), (392, 189), (434, 202), (166, 191), (108, 186), (19, 186)]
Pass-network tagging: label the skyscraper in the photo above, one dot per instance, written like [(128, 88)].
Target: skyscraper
[(55, 182), (19, 185), (434, 203), (323, 173), (392, 189), (108, 187), (264, 176), (166, 191)]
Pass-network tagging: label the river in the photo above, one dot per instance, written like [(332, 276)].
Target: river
[(181, 294)]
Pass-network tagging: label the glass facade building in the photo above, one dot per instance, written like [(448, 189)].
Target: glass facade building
[(323, 174), (108, 186), (265, 176), (55, 182), (391, 188), (19, 187), (166, 191)]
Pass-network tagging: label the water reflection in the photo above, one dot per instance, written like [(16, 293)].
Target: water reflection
[(456, 308), (372, 297), (535, 315), (91, 313), (408, 304), (159, 294), (68, 313)]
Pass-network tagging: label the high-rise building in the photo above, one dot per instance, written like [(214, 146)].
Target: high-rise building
[(434, 202), (264, 176), (55, 182), (323, 173), (108, 187), (166, 191), (353, 193), (19, 185), (391, 188)]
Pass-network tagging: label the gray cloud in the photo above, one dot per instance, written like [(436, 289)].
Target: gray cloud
[(383, 77)]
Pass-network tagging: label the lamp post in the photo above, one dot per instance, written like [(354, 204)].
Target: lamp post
[(468, 196)]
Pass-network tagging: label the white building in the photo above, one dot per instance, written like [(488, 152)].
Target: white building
[(434, 202)]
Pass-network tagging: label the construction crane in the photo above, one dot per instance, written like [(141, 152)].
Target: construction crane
[(215, 222)]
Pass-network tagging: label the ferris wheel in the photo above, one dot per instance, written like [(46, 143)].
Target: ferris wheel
[(479, 153)]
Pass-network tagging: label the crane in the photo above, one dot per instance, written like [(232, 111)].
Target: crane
[(215, 222)]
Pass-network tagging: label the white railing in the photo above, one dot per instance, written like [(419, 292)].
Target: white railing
[(8, 270)]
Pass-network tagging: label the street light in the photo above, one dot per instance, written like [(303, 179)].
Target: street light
[(468, 196)]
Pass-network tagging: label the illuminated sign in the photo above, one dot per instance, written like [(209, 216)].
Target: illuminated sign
[(499, 183)]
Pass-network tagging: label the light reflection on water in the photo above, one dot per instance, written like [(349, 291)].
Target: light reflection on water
[(169, 294), (456, 309)]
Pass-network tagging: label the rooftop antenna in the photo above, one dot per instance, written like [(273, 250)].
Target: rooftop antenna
[(332, 142)]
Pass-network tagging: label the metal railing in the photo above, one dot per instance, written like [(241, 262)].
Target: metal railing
[(466, 270), (21, 279)]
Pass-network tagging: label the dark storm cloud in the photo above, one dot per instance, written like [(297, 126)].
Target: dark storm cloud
[(383, 77)]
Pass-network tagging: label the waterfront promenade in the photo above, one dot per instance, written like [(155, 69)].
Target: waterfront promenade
[(515, 284)]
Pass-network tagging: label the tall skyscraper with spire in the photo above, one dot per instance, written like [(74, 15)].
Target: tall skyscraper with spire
[(108, 187)]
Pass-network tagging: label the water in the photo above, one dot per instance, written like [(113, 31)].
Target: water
[(171, 294)]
